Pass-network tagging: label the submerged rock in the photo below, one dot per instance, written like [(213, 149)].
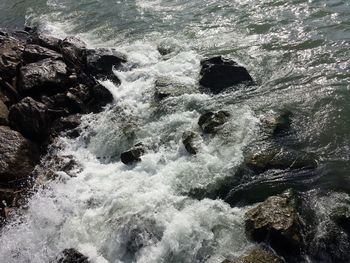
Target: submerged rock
[(18, 156), (31, 118), (102, 60), (71, 255), (4, 112), (210, 122), (133, 155), (34, 53), (277, 223), (46, 76), (190, 141), (166, 87), (281, 158), (257, 255), (218, 73)]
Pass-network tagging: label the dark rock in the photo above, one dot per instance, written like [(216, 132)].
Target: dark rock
[(34, 53), (218, 73), (281, 158), (7, 200), (73, 50), (277, 123), (67, 125), (99, 97), (133, 155), (102, 60), (210, 122), (4, 113), (8, 93), (31, 118), (278, 224), (341, 216), (257, 255), (18, 156), (10, 56), (190, 141), (71, 255), (46, 41), (48, 76)]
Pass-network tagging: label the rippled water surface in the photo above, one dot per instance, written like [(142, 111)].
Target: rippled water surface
[(297, 52)]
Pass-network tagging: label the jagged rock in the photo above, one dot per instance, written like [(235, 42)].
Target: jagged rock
[(10, 56), (257, 255), (281, 158), (210, 121), (71, 255), (190, 141), (8, 93), (277, 223), (102, 60), (277, 123), (18, 156), (133, 155), (99, 97), (34, 53), (66, 125), (4, 113), (46, 41), (31, 118), (48, 76), (73, 50), (218, 73)]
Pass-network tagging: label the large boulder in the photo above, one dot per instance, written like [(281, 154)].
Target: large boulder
[(4, 112), (71, 255), (276, 222), (34, 53), (210, 121), (102, 60), (45, 76), (218, 73), (18, 156), (257, 255), (10, 56), (31, 118), (133, 155), (46, 41), (73, 50), (281, 158)]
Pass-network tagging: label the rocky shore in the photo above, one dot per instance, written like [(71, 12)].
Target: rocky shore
[(47, 84)]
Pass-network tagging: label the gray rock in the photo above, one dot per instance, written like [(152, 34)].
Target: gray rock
[(31, 118), (10, 56), (43, 76), (190, 141), (210, 121), (166, 87), (46, 41), (34, 53), (18, 156), (73, 50), (3, 113), (257, 255)]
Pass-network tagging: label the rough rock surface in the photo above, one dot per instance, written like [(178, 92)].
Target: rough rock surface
[(210, 121), (257, 255), (73, 50), (4, 112), (46, 41), (133, 155), (34, 53), (218, 73), (190, 141), (18, 156), (277, 223), (71, 255), (102, 60), (67, 126), (10, 56)]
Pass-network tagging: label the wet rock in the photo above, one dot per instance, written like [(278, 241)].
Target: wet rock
[(34, 53), (3, 113), (8, 93), (190, 141), (73, 50), (210, 121), (31, 118), (66, 125), (133, 155), (277, 223), (218, 73), (166, 87), (99, 97), (281, 158), (102, 60), (257, 255), (18, 156), (71, 255), (277, 123), (46, 41), (341, 216), (45, 76), (10, 56)]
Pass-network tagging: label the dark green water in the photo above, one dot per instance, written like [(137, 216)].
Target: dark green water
[(297, 51)]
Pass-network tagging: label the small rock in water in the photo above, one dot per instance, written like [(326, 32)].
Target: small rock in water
[(277, 223), (71, 255), (190, 141), (31, 118), (102, 60), (218, 73), (133, 155), (257, 255), (281, 158), (210, 122)]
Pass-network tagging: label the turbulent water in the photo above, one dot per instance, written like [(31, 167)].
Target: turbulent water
[(298, 53)]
